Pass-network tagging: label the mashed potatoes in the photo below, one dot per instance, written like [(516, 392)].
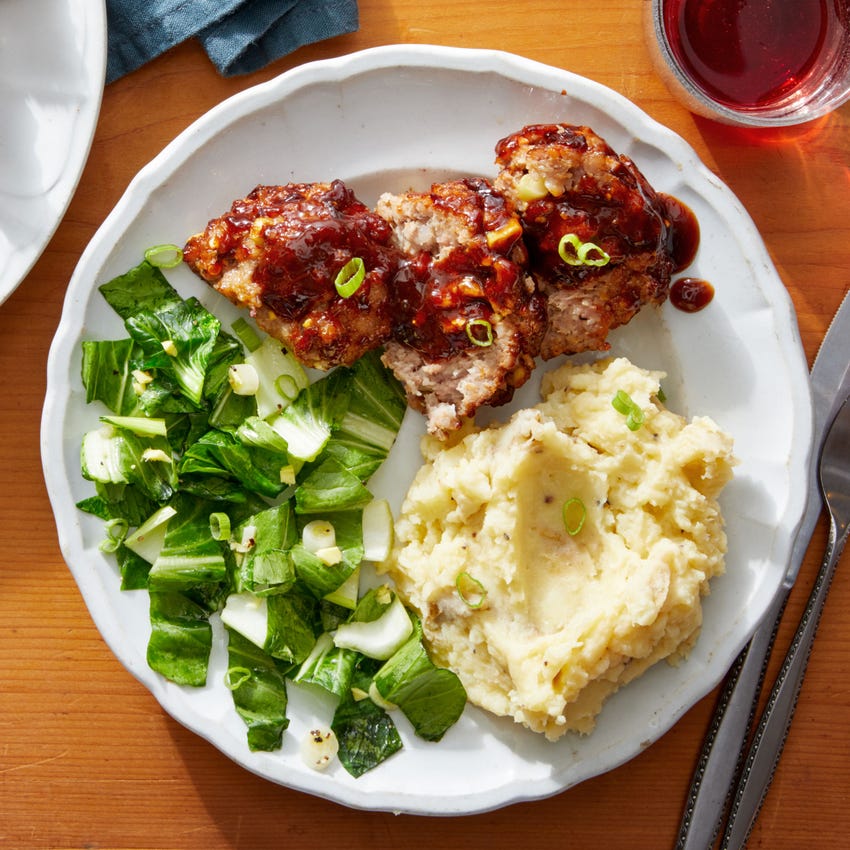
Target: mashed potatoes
[(557, 557)]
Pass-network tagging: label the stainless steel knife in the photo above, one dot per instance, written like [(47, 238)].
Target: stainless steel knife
[(721, 757)]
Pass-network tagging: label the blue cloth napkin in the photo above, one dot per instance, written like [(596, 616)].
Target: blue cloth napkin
[(239, 36)]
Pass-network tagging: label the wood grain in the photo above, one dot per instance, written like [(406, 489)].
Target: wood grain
[(88, 758)]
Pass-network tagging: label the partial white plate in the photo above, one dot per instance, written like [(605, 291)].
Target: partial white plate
[(383, 119), (52, 67)]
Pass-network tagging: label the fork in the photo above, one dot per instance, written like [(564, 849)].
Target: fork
[(763, 757)]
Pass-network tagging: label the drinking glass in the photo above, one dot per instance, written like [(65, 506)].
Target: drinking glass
[(754, 63)]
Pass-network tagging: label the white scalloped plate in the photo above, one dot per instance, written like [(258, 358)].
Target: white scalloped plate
[(52, 67), (383, 119)]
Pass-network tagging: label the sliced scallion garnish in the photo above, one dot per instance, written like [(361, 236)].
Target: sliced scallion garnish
[(287, 386), (470, 590), (220, 526), (236, 676), (164, 256), (116, 531), (574, 514), (623, 403), (350, 277), (475, 336), (583, 253)]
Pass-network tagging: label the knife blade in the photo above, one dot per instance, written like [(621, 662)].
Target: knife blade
[(721, 757)]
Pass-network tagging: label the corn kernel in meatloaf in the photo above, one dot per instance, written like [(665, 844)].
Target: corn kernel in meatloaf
[(567, 619)]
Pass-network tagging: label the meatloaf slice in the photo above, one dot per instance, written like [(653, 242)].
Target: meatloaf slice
[(571, 190), (280, 251), (468, 320)]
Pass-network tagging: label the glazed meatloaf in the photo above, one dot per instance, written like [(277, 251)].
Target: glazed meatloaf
[(596, 232), (311, 263), (468, 321), (463, 286)]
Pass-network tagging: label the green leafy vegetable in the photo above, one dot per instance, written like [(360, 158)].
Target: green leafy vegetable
[(179, 341), (113, 455), (368, 428), (142, 289), (228, 409), (181, 638), (220, 454), (257, 684), (119, 500), (134, 569), (190, 557), (328, 667), (107, 374), (267, 565), (148, 539), (176, 336), (380, 636), (307, 424), (366, 733), (329, 488), (281, 376), (291, 630), (205, 493), (322, 578), (432, 698)]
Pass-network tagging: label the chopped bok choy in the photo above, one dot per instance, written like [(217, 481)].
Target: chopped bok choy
[(233, 486)]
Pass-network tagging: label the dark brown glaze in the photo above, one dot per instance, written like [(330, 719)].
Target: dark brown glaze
[(683, 233), (480, 279), (286, 245), (691, 294)]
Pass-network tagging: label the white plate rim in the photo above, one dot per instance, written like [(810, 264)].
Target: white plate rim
[(465, 60)]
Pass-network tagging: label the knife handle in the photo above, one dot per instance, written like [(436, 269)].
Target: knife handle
[(723, 747), (772, 730)]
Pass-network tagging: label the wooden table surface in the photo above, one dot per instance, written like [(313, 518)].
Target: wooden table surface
[(87, 756)]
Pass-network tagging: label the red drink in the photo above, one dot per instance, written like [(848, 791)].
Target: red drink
[(752, 55)]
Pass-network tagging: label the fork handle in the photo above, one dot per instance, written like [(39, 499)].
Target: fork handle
[(722, 750), (772, 730)]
